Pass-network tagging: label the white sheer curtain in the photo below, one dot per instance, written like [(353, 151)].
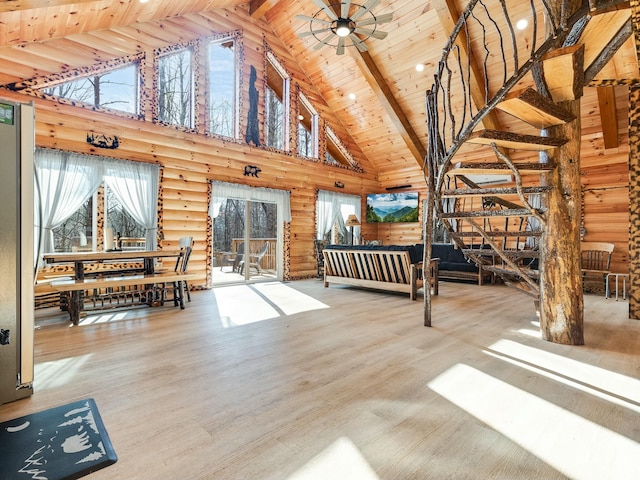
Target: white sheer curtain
[(222, 191), (135, 185), (334, 206), (65, 181)]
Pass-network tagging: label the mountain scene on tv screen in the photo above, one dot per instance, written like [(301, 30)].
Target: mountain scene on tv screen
[(392, 207)]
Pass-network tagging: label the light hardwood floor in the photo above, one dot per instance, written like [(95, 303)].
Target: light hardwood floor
[(295, 381)]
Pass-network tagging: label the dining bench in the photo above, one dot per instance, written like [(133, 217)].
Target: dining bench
[(147, 289)]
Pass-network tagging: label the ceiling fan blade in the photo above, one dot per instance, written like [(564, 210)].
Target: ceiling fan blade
[(364, 9), (385, 18), (313, 19), (372, 33), (346, 5), (359, 44), (322, 43), (313, 32), (340, 49), (323, 6)]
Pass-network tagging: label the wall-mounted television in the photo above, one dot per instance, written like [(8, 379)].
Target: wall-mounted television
[(392, 207)]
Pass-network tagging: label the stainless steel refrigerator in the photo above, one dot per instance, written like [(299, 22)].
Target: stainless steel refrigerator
[(17, 144)]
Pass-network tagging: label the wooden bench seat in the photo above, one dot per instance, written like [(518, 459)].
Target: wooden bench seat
[(147, 288)]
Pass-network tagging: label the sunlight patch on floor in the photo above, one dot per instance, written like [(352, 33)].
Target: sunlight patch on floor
[(103, 318), (245, 304), (240, 305), (529, 332), (57, 373), (341, 459), (569, 443), (599, 382), (287, 299)]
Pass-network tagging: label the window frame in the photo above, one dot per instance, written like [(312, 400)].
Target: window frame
[(192, 84), (272, 61), (235, 108), (314, 130)]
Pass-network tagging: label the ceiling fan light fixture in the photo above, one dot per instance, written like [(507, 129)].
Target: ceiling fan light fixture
[(343, 27), (344, 24)]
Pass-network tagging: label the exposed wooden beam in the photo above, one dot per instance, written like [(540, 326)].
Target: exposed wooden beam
[(449, 14), (13, 6), (388, 101), (391, 106), (608, 116), (258, 8)]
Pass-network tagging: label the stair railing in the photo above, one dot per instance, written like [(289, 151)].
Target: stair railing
[(452, 112)]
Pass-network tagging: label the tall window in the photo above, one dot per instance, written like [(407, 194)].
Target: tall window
[(116, 89), (307, 129), (277, 105), (175, 89), (222, 88), (70, 187)]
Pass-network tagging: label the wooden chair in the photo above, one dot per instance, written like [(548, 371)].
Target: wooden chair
[(186, 245), (595, 262), (182, 262), (254, 260)]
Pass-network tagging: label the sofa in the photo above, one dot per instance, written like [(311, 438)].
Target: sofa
[(453, 265), (384, 267)]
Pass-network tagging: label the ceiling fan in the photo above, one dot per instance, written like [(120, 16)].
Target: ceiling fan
[(336, 23)]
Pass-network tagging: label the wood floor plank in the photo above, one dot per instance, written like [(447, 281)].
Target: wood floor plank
[(296, 381)]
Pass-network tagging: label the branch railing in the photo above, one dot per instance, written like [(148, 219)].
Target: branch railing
[(453, 110)]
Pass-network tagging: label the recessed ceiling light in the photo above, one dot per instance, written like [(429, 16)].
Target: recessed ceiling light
[(352, 96), (419, 67), (144, 1), (300, 117), (522, 24)]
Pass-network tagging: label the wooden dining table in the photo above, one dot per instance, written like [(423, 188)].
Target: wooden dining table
[(110, 278), (79, 259)]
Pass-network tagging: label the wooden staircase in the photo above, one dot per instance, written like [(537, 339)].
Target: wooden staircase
[(499, 225)]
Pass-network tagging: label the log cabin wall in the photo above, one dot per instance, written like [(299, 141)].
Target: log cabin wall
[(190, 160)]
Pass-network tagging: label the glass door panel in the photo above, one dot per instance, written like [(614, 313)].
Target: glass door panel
[(263, 240), (228, 242)]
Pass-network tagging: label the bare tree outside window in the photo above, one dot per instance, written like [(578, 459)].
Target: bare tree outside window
[(76, 233), (230, 223), (222, 88), (120, 220), (275, 119), (116, 89), (307, 128), (305, 141), (175, 89)]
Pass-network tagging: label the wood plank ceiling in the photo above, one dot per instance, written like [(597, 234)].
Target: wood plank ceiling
[(385, 118)]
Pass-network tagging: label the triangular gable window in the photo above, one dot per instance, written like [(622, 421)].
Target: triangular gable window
[(336, 153), (114, 89)]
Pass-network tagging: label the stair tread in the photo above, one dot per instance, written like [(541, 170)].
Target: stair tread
[(496, 233), (482, 192), (533, 108), (516, 141), (511, 212), (489, 252), (498, 168), (533, 273)]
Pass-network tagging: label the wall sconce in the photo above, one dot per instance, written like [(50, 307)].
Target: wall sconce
[(338, 185)]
